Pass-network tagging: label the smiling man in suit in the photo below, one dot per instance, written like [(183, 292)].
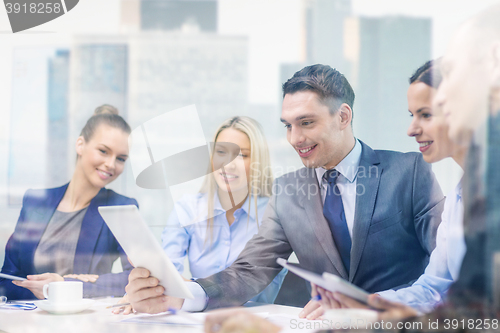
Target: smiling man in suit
[(369, 216)]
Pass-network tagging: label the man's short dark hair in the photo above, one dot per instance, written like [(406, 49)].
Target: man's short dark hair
[(331, 86)]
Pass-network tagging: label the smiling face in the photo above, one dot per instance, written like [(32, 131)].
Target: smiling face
[(428, 126), (321, 139), (463, 94), (102, 159), (236, 174)]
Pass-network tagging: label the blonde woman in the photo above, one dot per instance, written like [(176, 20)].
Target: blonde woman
[(230, 206)]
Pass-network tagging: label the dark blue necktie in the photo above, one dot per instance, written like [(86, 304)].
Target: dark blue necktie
[(333, 210)]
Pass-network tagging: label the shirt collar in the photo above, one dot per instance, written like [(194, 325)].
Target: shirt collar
[(217, 204), (244, 207), (348, 167)]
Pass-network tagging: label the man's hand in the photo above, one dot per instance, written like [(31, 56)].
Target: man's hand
[(145, 295), (127, 309), (35, 283), (313, 309), (237, 321), (83, 277), (327, 301), (389, 311)]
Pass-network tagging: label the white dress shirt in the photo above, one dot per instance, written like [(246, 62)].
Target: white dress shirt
[(346, 182)]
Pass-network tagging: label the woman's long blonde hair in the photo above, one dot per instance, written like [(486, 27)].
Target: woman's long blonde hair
[(261, 177)]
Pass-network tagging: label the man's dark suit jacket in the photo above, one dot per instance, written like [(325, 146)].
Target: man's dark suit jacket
[(96, 249), (395, 223)]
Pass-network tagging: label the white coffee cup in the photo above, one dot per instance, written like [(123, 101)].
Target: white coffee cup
[(63, 292)]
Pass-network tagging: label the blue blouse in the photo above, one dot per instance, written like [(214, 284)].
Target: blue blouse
[(181, 237)]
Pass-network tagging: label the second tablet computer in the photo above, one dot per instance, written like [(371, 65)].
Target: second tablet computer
[(327, 281)]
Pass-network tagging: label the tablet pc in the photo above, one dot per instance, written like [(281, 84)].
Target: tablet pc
[(142, 248), (11, 277), (327, 281)]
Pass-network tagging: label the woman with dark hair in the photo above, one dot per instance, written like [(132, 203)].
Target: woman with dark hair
[(60, 234), (430, 130)]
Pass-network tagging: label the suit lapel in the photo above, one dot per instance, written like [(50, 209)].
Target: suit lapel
[(313, 205), (91, 228), (39, 221), (368, 179)]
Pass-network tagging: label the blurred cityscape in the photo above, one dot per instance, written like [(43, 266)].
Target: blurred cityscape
[(171, 53)]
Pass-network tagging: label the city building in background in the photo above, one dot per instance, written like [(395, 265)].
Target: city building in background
[(377, 55), (173, 14), (167, 54), (383, 53), (174, 69), (147, 73), (28, 158), (168, 15), (170, 70), (161, 64), (98, 75), (325, 32), (57, 123)]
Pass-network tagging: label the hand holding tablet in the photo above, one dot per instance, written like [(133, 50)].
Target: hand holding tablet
[(327, 281), (142, 248), (11, 277)]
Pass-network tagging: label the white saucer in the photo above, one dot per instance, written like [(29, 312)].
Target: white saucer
[(66, 308)]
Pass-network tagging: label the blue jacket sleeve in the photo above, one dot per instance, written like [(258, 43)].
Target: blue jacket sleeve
[(12, 264)]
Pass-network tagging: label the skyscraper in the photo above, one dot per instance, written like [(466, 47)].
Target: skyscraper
[(173, 14), (175, 69), (28, 136), (383, 54), (57, 124), (99, 75), (325, 32), (149, 73)]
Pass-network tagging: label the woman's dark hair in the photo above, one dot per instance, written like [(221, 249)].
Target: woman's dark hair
[(104, 114), (429, 73)]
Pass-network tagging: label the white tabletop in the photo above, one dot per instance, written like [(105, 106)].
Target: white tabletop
[(99, 319)]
